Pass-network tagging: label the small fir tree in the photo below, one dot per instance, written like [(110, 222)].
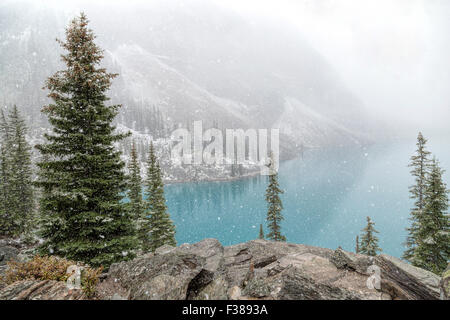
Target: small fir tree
[(433, 235), (274, 216), (261, 231), (8, 226), (369, 241), (135, 192), (420, 164), (16, 177), (22, 201), (158, 225)]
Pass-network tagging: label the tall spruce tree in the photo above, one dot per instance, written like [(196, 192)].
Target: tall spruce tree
[(83, 176), (369, 241), (433, 235), (159, 226), (135, 194), (274, 216), (420, 164)]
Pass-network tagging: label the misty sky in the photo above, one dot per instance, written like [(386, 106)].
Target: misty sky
[(392, 54)]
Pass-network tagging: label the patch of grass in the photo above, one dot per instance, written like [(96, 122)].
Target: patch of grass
[(89, 280), (446, 274), (50, 268), (39, 268)]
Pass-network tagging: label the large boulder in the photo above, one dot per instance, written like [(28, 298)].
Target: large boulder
[(190, 271), (210, 249), (396, 278), (307, 276), (256, 254), (9, 250), (404, 281), (352, 261), (157, 277)]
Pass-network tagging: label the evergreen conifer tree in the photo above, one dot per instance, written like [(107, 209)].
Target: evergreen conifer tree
[(274, 216), (135, 194), (357, 244), (261, 232), (420, 164), (83, 177), (20, 183), (135, 184), (17, 203), (8, 225), (433, 235), (43, 193), (369, 241), (158, 226)]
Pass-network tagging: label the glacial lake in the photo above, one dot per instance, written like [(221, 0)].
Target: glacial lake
[(328, 193)]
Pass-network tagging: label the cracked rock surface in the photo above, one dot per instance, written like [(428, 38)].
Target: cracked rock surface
[(261, 269), (257, 269)]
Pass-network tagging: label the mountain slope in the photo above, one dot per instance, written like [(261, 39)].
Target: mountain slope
[(179, 62)]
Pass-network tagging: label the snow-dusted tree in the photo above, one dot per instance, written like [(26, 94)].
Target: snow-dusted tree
[(432, 251), (369, 241), (135, 188), (20, 182), (274, 216), (8, 225), (420, 164), (158, 226), (261, 232), (16, 172), (83, 178)]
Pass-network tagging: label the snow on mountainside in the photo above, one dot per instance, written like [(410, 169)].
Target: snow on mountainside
[(299, 120), (181, 63), (148, 79)]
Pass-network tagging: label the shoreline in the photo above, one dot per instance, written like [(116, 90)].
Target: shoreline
[(218, 179), (248, 175), (230, 179)]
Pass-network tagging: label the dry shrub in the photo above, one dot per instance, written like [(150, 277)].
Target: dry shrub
[(50, 268), (89, 280), (39, 268)]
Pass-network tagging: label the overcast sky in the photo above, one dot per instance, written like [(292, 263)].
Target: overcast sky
[(392, 54)]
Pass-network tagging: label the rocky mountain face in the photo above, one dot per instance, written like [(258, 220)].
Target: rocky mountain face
[(256, 269), (180, 62)]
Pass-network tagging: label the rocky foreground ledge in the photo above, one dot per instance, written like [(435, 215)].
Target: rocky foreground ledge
[(257, 269)]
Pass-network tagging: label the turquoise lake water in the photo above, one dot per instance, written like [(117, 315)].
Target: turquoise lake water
[(328, 194)]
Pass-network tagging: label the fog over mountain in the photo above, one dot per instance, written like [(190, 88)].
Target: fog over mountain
[(324, 72), (392, 54)]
